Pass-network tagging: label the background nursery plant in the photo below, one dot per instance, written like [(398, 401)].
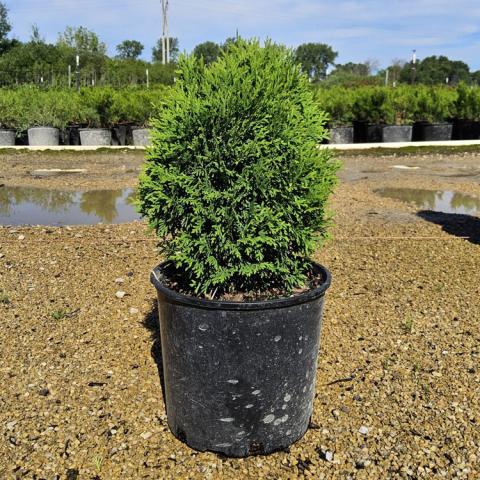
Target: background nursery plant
[(234, 183)]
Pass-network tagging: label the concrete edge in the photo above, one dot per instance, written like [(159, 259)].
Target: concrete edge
[(77, 148), (349, 146), (367, 146)]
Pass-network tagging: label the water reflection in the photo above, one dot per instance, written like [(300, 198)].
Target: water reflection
[(437, 201), (38, 206)]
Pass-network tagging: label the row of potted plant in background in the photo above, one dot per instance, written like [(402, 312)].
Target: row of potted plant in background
[(105, 116), (93, 116), (401, 114)]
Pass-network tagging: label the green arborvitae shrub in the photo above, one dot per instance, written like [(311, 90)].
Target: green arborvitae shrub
[(373, 105), (234, 183), (337, 102)]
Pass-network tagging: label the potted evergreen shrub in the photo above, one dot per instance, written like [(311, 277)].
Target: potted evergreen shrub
[(43, 113), (99, 120), (434, 109), (337, 102), (371, 108), (467, 113), (399, 111), (7, 118), (236, 188)]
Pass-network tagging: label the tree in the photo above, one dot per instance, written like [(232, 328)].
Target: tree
[(5, 26), (82, 40), (35, 36), (209, 51), (315, 59), (129, 49), (355, 69), (436, 70), (5, 29), (174, 50)]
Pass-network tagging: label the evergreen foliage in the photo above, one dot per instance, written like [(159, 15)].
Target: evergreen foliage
[(234, 183)]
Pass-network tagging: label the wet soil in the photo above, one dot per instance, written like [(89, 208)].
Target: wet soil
[(398, 381)]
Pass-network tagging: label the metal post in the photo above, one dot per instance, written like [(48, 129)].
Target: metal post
[(414, 66), (78, 72), (386, 77), (148, 78), (69, 76)]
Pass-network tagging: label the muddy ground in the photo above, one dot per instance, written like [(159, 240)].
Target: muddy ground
[(80, 393)]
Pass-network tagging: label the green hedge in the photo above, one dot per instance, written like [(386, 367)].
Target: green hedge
[(28, 106), (402, 105)]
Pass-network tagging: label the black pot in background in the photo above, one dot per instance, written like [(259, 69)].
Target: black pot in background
[(239, 376), (365, 132), (72, 135), (465, 130), (397, 133), (433, 132), (121, 135), (341, 135)]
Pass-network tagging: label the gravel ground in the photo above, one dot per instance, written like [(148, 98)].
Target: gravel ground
[(398, 385)]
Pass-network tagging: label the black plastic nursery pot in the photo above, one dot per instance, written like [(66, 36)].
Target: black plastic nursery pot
[(341, 135), (239, 377), (432, 132), (397, 133)]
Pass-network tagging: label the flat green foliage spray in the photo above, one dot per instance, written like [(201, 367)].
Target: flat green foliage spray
[(234, 182)]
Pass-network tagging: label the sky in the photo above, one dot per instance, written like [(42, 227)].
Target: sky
[(359, 30)]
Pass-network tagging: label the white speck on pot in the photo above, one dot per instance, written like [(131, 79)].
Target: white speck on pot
[(287, 397), (223, 445), (284, 406), (300, 338), (277, 338), (233, 382), (256, 392), (241, 433), (277, 422), (250, 405), (203, 327), (269, 419), (288, 432), (363, 430), (304, 389), (284, 418), (300, 351), (227, 420)]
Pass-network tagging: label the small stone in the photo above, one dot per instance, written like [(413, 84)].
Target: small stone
[(120, 294), (119, 280), (133, 311), (44, 392), (363, 430), (11, 425), (362, 463), (21, 237), (146, 435), (336, 414), (326, 455)]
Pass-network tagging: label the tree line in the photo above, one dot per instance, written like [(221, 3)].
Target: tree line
[(39, 62)]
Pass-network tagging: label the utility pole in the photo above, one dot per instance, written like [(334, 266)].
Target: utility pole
[(165, 34)]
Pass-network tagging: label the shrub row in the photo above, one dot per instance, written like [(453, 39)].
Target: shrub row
[(402, 105), (27, 107)]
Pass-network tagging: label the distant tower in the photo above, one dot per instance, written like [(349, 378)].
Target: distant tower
[(165, 34)]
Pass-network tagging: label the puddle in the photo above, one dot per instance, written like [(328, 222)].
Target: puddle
[(39, 206), (436, 201)]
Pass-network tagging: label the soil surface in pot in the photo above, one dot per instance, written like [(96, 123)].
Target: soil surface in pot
[(175, 281), (398, 375)]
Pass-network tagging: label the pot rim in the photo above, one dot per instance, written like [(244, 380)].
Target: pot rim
[(85, 129), (175, 297)]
